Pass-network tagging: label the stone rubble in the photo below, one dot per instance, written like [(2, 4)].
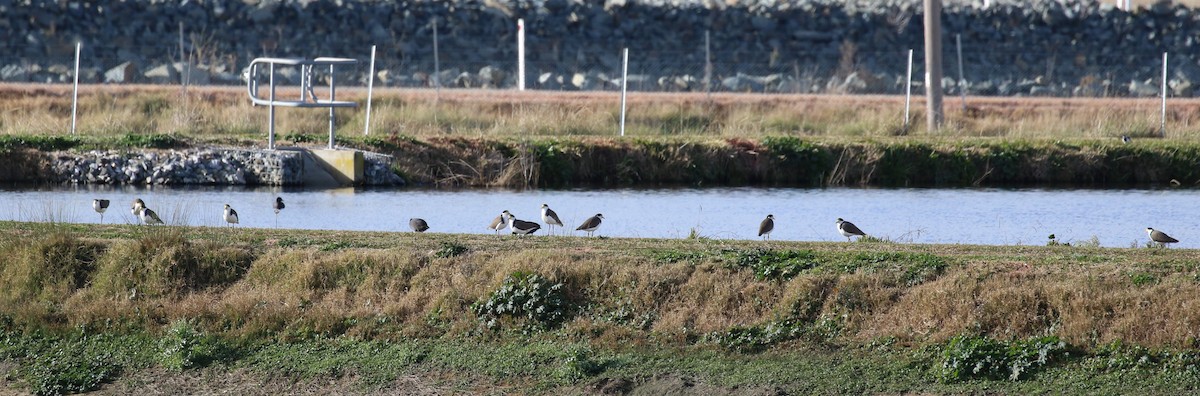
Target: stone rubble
[(198, 167), (1011, 47)]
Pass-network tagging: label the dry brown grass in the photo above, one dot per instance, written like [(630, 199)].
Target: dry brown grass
[(224, 114), (394, 285)]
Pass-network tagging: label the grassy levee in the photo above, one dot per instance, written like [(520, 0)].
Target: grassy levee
[(84, 306), (503, 138)]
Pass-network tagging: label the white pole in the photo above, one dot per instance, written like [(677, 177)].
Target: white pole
[(271, 117), (624, 84), (370, 86), (521, 54), (332, 95), (1162, 126), (962, 89), (708, 69), (75, 94), (437, 67), (908, 88)]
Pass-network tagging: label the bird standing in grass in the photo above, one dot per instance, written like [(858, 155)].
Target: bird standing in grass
[(1160, 237), (100, 205), (550, 218), (848, 229), (417, 224), (278, 206), (498, 223), (764, 228), (231, 216), (591, 224), (144, 214), (520, 227)]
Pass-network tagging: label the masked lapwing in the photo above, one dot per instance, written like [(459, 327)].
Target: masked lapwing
[(550, 218), (277, 206), (520, 227), (499, 223), (591, 224), (848, 229), (1160, 237), (100, 205), (231, 216), (144, 214), (764, 228), (417, 224)]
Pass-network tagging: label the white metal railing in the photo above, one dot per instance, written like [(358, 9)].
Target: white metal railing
[(308, 95)]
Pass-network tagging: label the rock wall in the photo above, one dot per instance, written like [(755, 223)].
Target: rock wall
[(1064, 48), (202, 166), (207, 166)]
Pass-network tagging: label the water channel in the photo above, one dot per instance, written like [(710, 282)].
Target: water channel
[(1116, 218)]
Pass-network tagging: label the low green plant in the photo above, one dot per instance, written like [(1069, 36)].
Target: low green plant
[(760, 337), (450, 249), (335, 245), (39, 142), (579, 364), (78, 361), (968, 356), (913, 268), (1143, 279), (158, 141), (524, 297), (184, 347), (775, 264)]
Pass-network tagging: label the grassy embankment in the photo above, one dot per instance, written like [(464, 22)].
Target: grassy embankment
[(84, 305), (502, 138)]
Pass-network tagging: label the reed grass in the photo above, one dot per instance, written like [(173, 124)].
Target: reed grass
[(214, 114)]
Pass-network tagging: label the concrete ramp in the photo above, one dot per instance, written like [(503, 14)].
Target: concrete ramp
[(315, 174), (333, 168)]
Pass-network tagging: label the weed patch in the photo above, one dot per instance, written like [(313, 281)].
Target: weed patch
[(450, 249), (79, 361), (913, 268), (775, 265), (527, 298), (158, 141), (39, 142), (966, 357), (184, 347)]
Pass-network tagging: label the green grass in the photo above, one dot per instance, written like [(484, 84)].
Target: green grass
[(80, 361)]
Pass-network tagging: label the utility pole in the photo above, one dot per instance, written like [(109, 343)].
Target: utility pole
[(933, 64)]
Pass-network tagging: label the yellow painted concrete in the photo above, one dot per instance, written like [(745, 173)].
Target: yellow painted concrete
[(346, 166)]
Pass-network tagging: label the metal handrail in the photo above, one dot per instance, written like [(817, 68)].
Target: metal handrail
[(308, 96)]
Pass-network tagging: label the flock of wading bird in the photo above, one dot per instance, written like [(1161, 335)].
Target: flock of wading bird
[(147, 215), (504, 220), (522, 227)]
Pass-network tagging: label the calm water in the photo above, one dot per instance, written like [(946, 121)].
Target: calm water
[(975, 216)]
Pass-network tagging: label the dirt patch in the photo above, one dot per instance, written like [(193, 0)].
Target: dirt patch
[(222, 381), (673, 385)]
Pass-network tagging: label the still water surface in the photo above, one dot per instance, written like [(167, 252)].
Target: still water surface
[(973, 216)]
